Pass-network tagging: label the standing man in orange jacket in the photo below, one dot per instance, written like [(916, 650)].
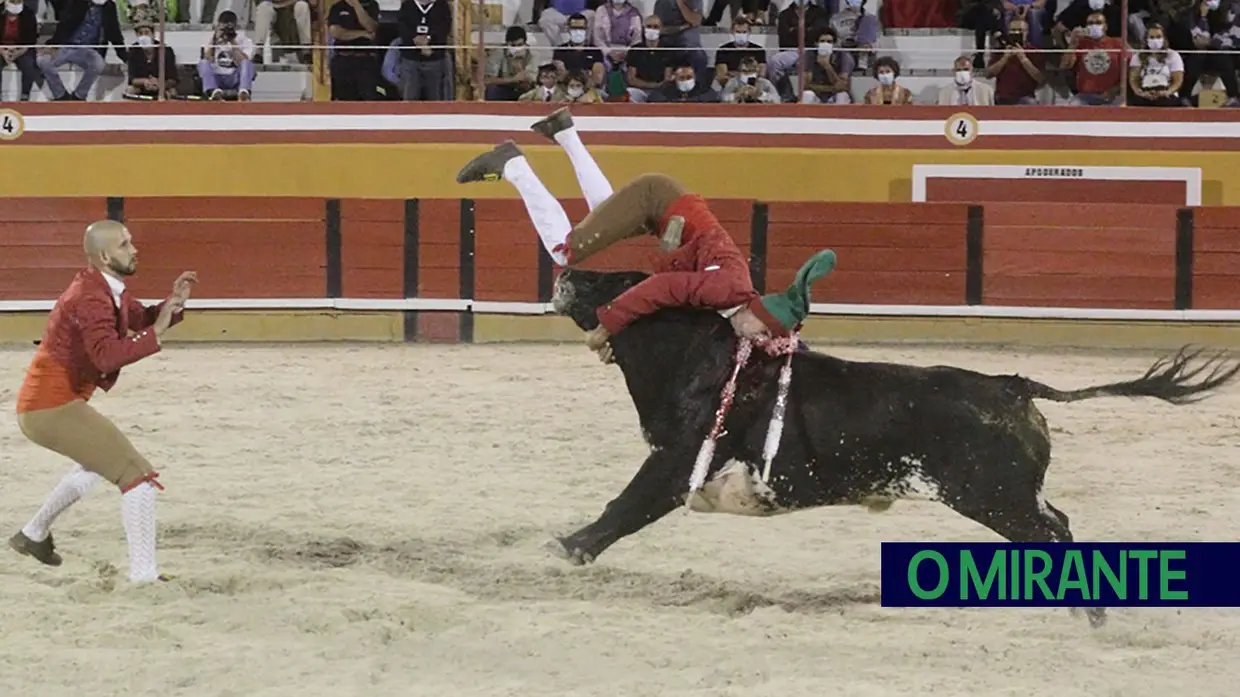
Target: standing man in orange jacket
[(96, 328), (703, 267)]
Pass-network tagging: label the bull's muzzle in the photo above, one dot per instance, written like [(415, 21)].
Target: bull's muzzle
[(562, 294)]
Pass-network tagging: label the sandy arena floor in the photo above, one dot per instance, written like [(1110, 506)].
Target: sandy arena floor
[(367, 521)]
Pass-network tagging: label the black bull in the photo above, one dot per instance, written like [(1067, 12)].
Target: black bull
[(855, 432)]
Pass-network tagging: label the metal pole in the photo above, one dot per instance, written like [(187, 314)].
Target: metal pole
[(163, 15), (480, 68), (800, 50), (1123, 54)]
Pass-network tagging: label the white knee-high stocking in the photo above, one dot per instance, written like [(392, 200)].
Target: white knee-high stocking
[(545, 211), (594, 184), (71, 488), (138, 515)]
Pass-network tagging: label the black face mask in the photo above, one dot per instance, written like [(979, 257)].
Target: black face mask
[(1016, 37)]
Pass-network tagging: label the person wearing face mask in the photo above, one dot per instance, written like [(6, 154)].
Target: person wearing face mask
[(1016, 77), (649, 62), (510, 70), (617, 25), (1212, 30), (748, 87), (18, 33), (964, 90), (577, 55), (830, 72), (575, 89), (553, 16), (887, 70), (1156, 75), (856, 30), (84, 23), (728, 56), (548, 80), (684, 86), (1077, 13), (1033, 12), (144, 61), (682, 21), (1096, 61), (783, 63)]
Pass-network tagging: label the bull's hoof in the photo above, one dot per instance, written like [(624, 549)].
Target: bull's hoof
[(576, 556), (1097, 615)]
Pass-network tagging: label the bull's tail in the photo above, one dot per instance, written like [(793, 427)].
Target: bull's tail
[(1180, 379)]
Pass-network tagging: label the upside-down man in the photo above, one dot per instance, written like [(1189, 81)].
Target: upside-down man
[(703, 268), (95, 328)]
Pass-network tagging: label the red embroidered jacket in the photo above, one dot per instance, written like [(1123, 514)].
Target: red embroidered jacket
[(707, 271)]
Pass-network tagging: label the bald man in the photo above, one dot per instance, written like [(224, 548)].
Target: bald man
[(95, 328)]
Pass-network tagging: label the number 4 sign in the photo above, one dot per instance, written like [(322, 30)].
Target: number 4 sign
[(11, 125), (961, 129)]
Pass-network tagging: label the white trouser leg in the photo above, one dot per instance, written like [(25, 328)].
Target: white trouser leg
[(545, 211), (594, 184)]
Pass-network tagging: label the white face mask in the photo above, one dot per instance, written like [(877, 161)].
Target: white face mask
[(1095, 31), (1212, 4), (1096, 5), (99, 2), (825, 48), (888, 79), (652, 34), (686, 85), (618, 3), (740, 38), (577, 36), (746, 77), (852, 4), (516, 50), (1155, 44), (964, 78), (14, 8), (575, 92), (145, 41)]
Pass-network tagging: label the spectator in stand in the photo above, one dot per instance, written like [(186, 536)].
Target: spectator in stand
[(1017, 78), (728, 56), (576, 89), (227, 61), (1212, 31), (681, 22), (617, 25), (82, 24), (354, 64), (965, 90), (684, 86), (857, 31), (144, 59), (424, 69), (747, 86), (554, 15), (784, 62), (1175, 14), (1155, 76), (1076, 14), (510, 70), (577, 54), (985, 18), (888, 91), (391, 68), (548, 80), (649, 62), (271, 17), (1034, 14), (830, 72), (19, 32), (1096, 62)]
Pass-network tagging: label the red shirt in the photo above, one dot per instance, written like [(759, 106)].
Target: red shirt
[(11, 33), (1099, 67), (1014, 81)]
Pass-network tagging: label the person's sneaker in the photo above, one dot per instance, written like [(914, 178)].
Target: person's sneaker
[(559, 120), (44, 551), (489, 166)]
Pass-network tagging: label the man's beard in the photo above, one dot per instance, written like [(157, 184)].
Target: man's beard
[(123, 269)]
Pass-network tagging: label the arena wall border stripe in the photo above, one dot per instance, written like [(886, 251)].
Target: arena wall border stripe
[(409, 281), (759, 226), (1185, 224), (533, 308), (974, 254), (116, 208), (333, 270), (468, 266)]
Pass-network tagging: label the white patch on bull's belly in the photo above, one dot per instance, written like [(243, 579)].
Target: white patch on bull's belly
[(736, 489), (914, 486)]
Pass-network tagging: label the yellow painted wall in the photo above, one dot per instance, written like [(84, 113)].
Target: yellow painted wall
[(428, 170)]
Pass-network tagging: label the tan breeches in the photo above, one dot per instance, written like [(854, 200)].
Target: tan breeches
[(87, 437), (637, 205)]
